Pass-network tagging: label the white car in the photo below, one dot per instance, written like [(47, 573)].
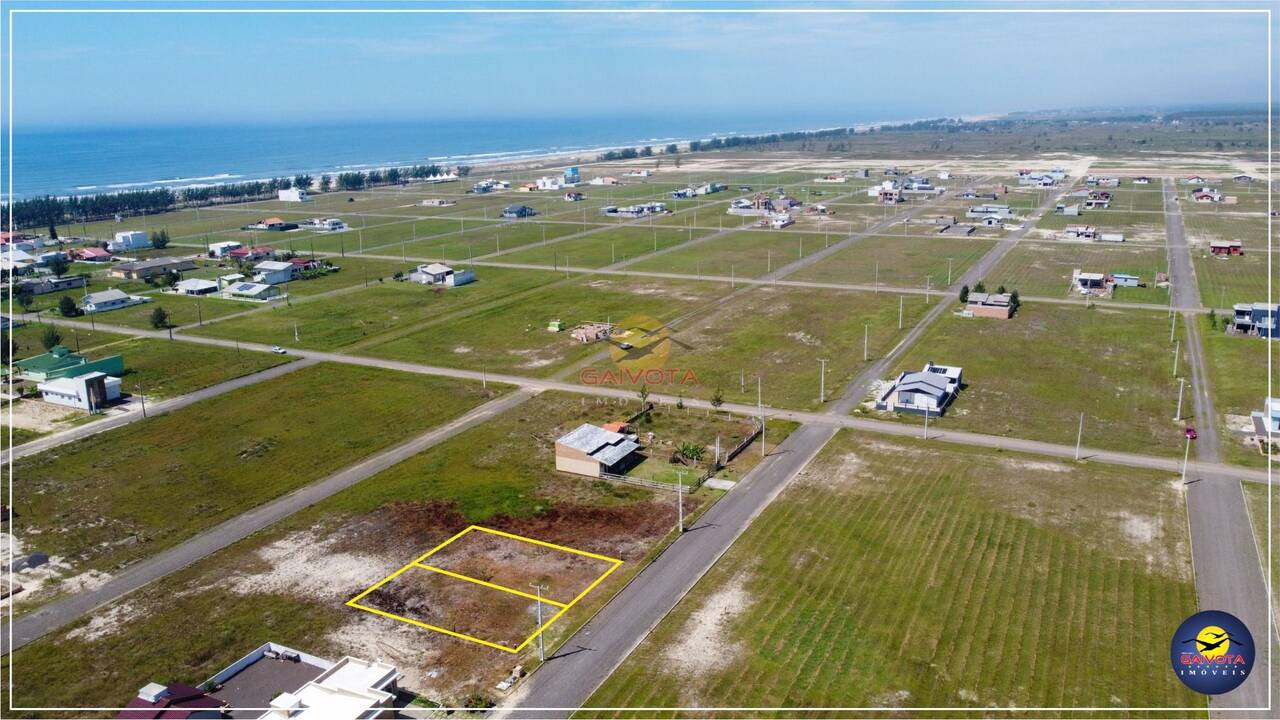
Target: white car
[(278, 350)]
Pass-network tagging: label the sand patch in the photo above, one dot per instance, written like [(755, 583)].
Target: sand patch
[(304, 563), (106, 623), (705, 644), (1041, 465)]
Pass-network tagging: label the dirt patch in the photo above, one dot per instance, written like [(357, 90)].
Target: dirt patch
[(705, 643)]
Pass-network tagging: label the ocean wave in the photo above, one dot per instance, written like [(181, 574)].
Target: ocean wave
[(168, 181)]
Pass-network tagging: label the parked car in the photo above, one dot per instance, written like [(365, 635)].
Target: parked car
[(1191, 433), (278, 350)]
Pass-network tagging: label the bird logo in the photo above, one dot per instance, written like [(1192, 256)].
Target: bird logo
[(1211, 642), (641, 343)]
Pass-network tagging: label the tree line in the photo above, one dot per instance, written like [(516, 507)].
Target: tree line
[(50, 211)]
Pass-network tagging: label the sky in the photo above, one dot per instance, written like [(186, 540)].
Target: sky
[(139, 69)]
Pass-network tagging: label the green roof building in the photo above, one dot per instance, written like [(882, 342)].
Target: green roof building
[(60, 362)]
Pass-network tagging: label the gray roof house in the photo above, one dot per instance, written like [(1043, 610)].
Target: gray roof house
[(928, 391), (592, 451)]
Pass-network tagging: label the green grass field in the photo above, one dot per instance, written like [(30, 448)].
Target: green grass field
[(899, 574), (899, 261), (1238, 379), (744, 254), (1032, 376), (333, 322), (161, 369), (1044, 268), (776, 335), (602, 248), (513, 336), (487, 239), (1268, 538), (130, 492)]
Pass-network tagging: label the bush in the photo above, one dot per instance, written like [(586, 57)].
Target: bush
[(67, 306)]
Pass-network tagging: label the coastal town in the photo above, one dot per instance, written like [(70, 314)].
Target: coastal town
[(620, 399), (632, 359)]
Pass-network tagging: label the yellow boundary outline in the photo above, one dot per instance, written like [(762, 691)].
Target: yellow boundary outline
[(418, 563)]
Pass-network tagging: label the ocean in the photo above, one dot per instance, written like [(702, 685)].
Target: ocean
[(97, 160)]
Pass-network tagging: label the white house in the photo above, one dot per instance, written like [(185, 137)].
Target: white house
[(551, 182), (350, 690), (273, 272), (1266, 422), (107, 300), (325, 224), (195, 286), (441, 274), (928, 391), (641, 173), (293, 194), (90, 391), (127, 240), (250, 291), (221, 249), (604, 180)]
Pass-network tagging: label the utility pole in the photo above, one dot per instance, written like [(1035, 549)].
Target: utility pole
[(948, 272), (866, 334), (822, 381), (877, 276), (143, 399), (680, 500), (1079, 436), (926, 423), (1176, 348), (900, 300), (760, 411), (1173, 323), (542, 649), (1182, 384)]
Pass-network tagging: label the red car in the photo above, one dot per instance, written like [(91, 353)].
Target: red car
[(1191, 433)]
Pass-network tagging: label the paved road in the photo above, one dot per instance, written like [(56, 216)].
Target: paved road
[(1182, 273), (570, 676), (60, 612), (154, 409), (1223, 550)]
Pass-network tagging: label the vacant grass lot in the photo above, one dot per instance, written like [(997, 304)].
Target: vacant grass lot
[(330, 323), (115, 497), (776, 335), (900, 574), (161, 369), (1268, 538), (744, 254), (899, 261), (603, 248), (1238, 379), (487, 239), (27, 339), (1044, 268), (513, 337), (1229, 280), (1224, 281), (499, 473), (1032, 376)]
